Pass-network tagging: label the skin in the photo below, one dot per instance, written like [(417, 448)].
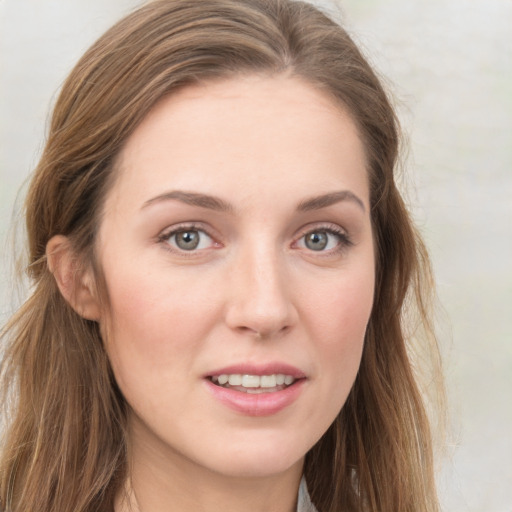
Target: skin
[(252, 292)]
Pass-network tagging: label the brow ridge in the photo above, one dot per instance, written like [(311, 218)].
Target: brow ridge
[(325, 200), (215, 203), (193, 199)]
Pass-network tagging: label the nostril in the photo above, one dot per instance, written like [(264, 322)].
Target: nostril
[(263, 334), (259, 315)]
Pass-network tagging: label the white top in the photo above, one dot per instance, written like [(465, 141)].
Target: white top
[(304, 502)]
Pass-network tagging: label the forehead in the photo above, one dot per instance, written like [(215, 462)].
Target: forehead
[(251, 131)]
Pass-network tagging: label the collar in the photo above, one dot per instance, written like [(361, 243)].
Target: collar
[(304, 501)]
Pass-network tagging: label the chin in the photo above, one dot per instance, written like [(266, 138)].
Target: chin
[(258, 460), (260, 467)]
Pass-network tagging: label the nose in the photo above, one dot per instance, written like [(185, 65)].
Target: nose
[(260, 296)]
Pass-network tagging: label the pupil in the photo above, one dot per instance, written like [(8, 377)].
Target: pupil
[(316, 241), (187, 240)]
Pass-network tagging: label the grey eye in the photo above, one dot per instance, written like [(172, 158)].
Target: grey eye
[(316, 241), (190, 240), (187, 240)]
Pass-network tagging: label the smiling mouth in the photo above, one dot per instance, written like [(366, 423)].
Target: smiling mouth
[(254, 384)]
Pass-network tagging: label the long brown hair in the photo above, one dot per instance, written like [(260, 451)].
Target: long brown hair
[(64, 444)]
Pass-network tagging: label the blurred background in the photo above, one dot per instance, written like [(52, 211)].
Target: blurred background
[(448, 65)]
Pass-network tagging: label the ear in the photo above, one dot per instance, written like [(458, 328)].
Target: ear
[(75, 283)]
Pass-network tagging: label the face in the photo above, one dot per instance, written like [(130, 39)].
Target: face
[(237, 250)]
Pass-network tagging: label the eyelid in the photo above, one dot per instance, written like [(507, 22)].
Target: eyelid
[(165, 234), (345, 240)]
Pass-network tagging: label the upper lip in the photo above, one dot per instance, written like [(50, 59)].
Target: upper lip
[(272, 368)]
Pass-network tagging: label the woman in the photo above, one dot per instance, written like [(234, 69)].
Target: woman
[(221, 264)]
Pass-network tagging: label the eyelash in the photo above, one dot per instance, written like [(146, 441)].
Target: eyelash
[(165, 236), (344, 240)]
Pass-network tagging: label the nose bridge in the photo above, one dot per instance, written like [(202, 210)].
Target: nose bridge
[(260, 301)]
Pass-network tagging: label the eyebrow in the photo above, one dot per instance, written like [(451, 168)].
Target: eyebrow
[(325, 200), (217, 204), (192, 198)]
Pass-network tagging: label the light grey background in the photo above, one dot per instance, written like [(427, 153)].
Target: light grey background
[(449, 65)]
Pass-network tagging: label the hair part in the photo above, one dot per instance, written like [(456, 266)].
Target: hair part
[(65, 446)]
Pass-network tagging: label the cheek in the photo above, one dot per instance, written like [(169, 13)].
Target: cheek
[(155, 337), (340, 320), (336, 314), (156, 321)]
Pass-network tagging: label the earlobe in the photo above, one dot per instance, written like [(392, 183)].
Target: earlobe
[(76, 284)]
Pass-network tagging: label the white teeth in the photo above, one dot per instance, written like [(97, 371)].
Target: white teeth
[(268, 381), (252, 382), (280, 378), (235, 380)]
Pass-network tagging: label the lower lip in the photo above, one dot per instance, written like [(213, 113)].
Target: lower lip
[(260, 404)]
